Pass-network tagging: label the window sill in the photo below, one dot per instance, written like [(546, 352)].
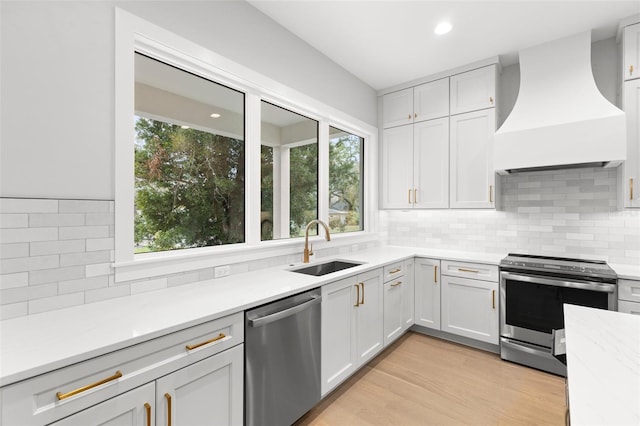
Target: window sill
[(158, 264)]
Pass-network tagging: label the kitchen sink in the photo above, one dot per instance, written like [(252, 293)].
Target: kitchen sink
[(325, 268)]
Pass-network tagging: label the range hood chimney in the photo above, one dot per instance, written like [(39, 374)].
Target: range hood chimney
[(560, 119)]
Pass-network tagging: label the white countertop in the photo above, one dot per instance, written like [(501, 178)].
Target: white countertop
[(39, 343), (603, 366)]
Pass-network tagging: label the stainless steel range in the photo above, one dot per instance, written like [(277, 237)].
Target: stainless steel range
[(532, 292)]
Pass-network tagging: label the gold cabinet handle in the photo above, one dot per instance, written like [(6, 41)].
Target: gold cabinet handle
[(435, 274), (396, 284), (491, 193), (474, 271), (147, 408), (357, 295), (395, 271), (415, 115), (409, 117), (197, 345), (409, 195), (630, 69), (415, 196), (491, 100), (362, 302), (168, 397), (62, 396), (493, 299), (630, 189)]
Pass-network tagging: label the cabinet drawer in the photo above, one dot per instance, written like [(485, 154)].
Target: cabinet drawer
[(478, 271), (60, 393), (629, 290), (393, 271), (629, 307)]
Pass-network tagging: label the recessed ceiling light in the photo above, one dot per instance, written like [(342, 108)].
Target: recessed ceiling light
[(184, 127), (443, 28), (215, 115)]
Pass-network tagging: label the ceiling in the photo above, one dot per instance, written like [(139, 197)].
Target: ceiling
[(388, 42)]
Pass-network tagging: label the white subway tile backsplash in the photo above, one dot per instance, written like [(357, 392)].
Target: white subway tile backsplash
[(95, 244), (99, 219), (55, 275), (85, 206), (24, 294), (13, 310), (21, 235), (148, 285), (98, 269), (11, 251), (87, 258), (14, 220), (28, 205), (55, 302), (98, 295), (78, 232), (20, 279), (39, 220), (26, 264), (56, 247), (83, 284)]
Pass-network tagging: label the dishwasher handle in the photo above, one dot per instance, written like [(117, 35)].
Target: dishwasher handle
[(260, 321)]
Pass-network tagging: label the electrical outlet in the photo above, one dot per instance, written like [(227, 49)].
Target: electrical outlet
[(222, 271)]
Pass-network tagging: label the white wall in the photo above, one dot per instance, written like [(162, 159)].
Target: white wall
[(57, 83)]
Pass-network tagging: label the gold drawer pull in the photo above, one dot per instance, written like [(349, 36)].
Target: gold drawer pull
[(493, 299), (435, 274), (491, 193), (362, 301), (474, 271), (62, 396), (409, 116), (630, 189), (630, 69), (491, 100), (357, 295), (415, 196), (197, 345), (395, 271), (409, 197), (147, 408), (396, 284), (168, 398)]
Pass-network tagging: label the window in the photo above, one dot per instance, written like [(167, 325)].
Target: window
[(189, 160), (345, 181), (289, 172)]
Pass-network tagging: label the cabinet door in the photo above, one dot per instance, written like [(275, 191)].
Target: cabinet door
[(472, 175), (408, 295), (397, 108), (431, 100), (473, 90), (125, 409), (397, 171), (632, 308), (431, 164), (427, 292), (631, 67), (393, 310), (631, 182), (208, 392), (369, 316), (470, 308), (339, 355)]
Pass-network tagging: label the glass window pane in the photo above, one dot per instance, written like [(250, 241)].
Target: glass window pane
[(189, 160), (289, 180), (345, 181)]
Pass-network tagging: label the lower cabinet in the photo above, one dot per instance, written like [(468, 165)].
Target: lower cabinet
[(352, 326), (131, 408), (470, 308), (629, 296), (192, 376), (398, 302), (427, 292)]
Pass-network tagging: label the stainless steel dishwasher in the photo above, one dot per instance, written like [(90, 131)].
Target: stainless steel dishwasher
[(282, 359)]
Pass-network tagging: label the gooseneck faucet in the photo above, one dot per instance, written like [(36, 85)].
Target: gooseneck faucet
[(307, 251)]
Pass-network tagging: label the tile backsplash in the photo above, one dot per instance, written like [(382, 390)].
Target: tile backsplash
[(571, 213)]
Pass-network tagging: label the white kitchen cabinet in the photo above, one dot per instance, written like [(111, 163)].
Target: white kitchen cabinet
[(473, 90), (631, 183), (352, 326), (427, 292), (631, 55), (472, 177), (398, 300), (632, 308), (397, 108), (415, 165), (133, 408), (208, 392), (414, 104), (469, 305), (629, 291), (112, 388)]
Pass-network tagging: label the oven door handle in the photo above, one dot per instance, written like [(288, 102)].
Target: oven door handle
[(584, 285)]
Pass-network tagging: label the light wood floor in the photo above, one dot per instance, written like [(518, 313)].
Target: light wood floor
[(421, 380)]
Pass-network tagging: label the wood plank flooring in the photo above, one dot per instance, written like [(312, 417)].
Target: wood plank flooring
[(421, 380)]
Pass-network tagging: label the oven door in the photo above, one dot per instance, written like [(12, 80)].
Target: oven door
[(531, 305)]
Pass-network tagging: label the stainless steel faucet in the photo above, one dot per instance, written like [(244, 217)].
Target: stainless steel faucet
[(309, 251)]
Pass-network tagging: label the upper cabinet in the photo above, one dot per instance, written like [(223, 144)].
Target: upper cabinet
[(415, 104), (433, 158), (631, 64), (473, 90)]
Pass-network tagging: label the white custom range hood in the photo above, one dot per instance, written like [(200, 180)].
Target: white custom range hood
[(560, 119)]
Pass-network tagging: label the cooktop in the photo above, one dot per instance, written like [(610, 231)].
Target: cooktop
[(561, 266)]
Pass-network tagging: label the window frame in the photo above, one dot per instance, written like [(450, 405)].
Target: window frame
[(134, 34)]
